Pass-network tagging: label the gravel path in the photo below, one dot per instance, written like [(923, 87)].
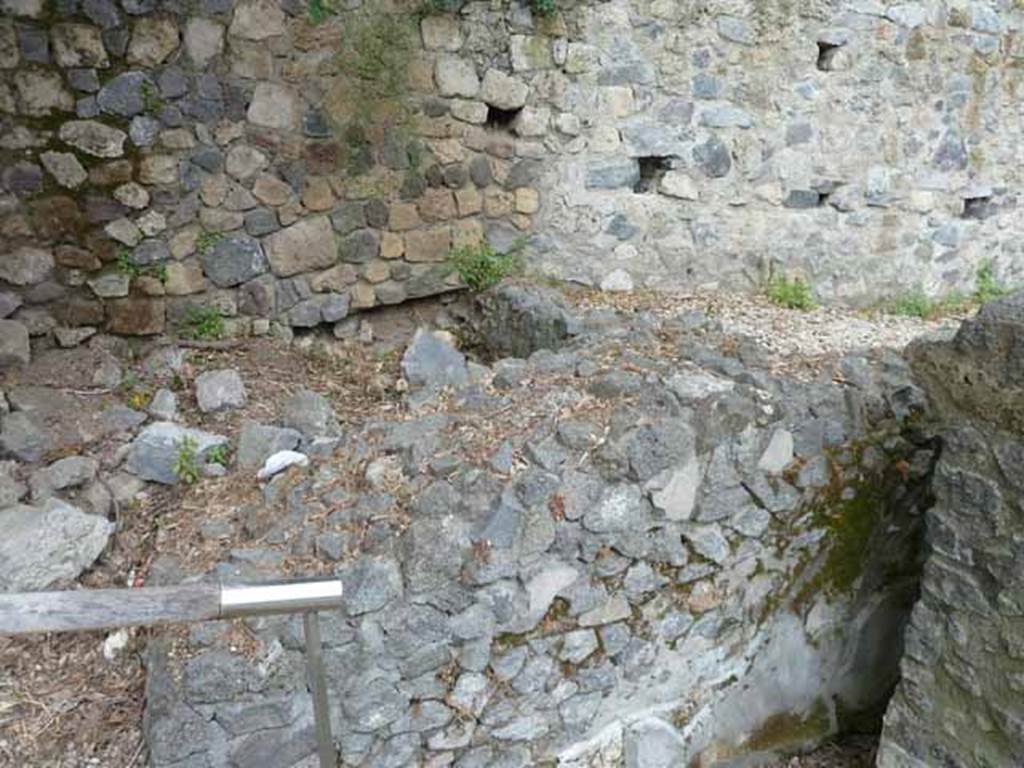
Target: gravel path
[(818, 332), (795, 336)]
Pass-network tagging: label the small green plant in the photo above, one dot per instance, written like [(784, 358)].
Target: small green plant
[(987, 287), (126, 266), (203, 323), (138, 399), (150, 97), (135, 394), (382, 46), (913, 304), (544, 7), (952, 302), (481, 267), (219, 454), (917, 303), (186, 461), (206, 241), (791, 294), (129, 381), (319, 10)]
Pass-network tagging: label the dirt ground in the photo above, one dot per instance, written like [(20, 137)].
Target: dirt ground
[(63, 704)]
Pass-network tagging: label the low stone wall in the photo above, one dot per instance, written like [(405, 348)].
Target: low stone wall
[(290, 163), (239, 156), (961, 697), (637, 550)]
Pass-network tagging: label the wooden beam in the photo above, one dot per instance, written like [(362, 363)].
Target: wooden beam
[(91, 609)]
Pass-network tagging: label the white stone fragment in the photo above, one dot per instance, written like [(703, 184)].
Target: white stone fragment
[(115, 643), (617, 281), (778, 454), (281, 461)]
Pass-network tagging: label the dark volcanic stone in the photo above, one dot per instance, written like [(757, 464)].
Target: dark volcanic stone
[(127, 95), (33, 43), (480, 170), (234, 260), (102, 13), (84, 80), (713, 157), (23, 178), (376, 213)]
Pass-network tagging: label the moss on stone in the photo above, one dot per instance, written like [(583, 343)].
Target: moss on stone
[(374, 63), (368, 96), (850, 524), (555, 621), (789, 729), (508, 640)]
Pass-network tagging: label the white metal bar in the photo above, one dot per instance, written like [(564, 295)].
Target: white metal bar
[(265, 599)]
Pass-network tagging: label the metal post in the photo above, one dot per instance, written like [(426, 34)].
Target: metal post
[(85, 609), (318, 686)]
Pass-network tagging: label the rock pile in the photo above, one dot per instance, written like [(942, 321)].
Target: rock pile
[(628, 545), (638, 544)]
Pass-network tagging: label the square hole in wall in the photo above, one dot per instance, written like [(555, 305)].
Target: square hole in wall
[(825, 190), (977, 207), (501, 119), (826, 54), (652, 169)]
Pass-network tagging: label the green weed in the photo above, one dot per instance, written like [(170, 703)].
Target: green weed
[(916, 303), (126, 266), (186, 461), (319, 10), (986, 286), (380, 52), (203, 323), (160, 272), (913, 304), (481, 267), (219, 454), (206, 241), (150, 97), (791, 294)]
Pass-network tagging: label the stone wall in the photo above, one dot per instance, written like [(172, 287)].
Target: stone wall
[(288, 163), (635, 550), (870, 147), (961, 697), (239, 156)]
